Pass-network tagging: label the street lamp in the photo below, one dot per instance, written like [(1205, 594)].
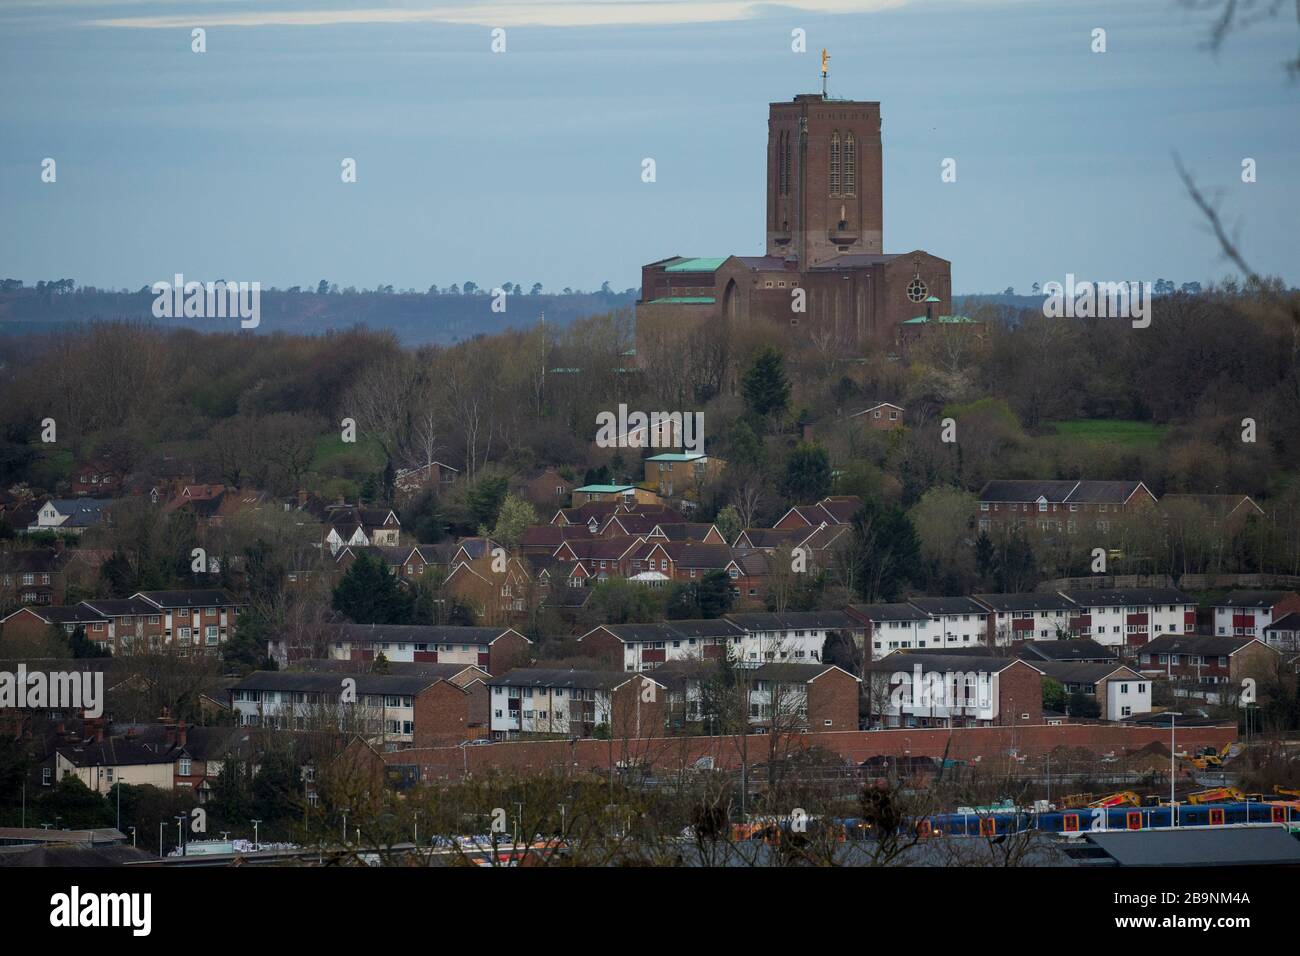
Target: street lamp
[(345, 826), (1173, 769), (133, 837), (257, 844), (180, 833)]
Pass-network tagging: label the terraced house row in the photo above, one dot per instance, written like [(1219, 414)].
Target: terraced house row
[(1115, 618), (189, 621)]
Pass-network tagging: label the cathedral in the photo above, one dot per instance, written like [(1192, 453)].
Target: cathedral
[(825, 272)]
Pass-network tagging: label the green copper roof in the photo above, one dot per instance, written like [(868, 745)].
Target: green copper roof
[(931, 299), (944, 319), (684, 300), (604, 489), (697, 265)]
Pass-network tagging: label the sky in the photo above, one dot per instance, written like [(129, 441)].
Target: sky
[(526, 165)]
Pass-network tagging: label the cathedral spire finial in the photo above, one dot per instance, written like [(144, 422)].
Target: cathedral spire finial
[(826, 69)]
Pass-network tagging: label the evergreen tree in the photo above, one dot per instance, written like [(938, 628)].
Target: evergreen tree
[(765, 387), (369, 594), (807, 474)]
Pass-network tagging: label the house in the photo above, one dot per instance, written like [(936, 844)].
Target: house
[(883, 416), (96, 478), (545, 490), (574, 703), (1226, 513), (202, 618), (1132, 616), (1069, 506), (494, 595), (603, 558), (1120, 691), (832, 510), (41, 576), (793, 636), (100, 761), (1249, 613), (802, 697), (643, 647), (435, 474), (816, 544), (695, 532), (952, 690), (391, 711), (624, 494), (71, 515), (1282, 635), (891, 627), (348, 525), (953, 622), (130, 625), (33, 621), (681, 475), (1208, 659), (495, 649), (1036, 616)]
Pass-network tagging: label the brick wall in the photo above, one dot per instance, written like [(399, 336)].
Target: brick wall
[(507, 651), (1020, 691), (833, 697), (441, 715)]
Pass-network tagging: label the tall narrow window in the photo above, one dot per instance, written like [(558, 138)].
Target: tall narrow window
[(835, 163), (783, 163), (850, 165)]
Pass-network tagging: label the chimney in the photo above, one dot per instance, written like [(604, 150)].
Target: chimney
[(181, 734), (99, 731)]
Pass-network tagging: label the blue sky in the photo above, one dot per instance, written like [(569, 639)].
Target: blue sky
[(525, 166)]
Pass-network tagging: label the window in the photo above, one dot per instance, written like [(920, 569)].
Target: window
[(184, 766), (835, 163), (850, 165)]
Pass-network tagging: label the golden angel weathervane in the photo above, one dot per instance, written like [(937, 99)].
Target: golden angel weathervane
[(826, 68)]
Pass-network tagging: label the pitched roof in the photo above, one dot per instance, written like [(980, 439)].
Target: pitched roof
[(1137, 597), (949, 605), (1201, 645), (876, 613), (1252, 599), (794, 620), (560, 677), (1082, 672), (199, 597), (323, 682), (1075, 649), (416, 634), (1060, 492), (1030, 601)]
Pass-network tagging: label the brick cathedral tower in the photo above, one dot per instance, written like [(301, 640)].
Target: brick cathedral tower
[(824, 179)]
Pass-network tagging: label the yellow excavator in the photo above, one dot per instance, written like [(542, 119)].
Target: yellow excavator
[(1216, 795), (1123, 798), (1209, 759)]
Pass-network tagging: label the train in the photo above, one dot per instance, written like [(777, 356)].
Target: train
[(997, 821), (1112, 818)]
